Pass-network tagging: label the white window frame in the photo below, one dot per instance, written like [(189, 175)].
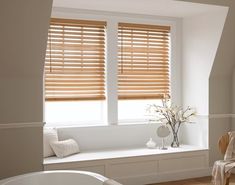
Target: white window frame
[(112, 19)]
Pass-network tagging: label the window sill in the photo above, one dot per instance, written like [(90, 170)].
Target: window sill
[(98, 124)]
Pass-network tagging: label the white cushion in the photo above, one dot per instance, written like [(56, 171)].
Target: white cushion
[(65, 148), (49, 135)]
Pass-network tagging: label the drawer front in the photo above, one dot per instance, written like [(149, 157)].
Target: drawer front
[(127, 169), (184, 163)]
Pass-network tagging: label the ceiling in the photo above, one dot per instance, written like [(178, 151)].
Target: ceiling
[(170, 8)]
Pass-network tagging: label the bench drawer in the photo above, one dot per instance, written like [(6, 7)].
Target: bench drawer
[(182, 163), (136, 168)]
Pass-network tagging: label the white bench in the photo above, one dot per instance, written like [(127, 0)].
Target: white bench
[(135, 164), (138, 166)]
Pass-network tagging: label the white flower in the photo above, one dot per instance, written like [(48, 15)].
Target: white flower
[(170, 113)]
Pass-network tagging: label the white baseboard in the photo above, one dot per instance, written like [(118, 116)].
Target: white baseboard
[(165, 177)]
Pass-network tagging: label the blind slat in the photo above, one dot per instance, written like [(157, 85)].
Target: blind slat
[(140, 96), (76, 23), (71, 98)]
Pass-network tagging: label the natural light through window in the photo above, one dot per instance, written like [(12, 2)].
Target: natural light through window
[(134, 111), (76, 74), (73, 113)]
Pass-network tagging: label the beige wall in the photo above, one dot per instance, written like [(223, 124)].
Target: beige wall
[(24, 26), (21, 151)]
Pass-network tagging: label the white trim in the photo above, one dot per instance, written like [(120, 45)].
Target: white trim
[(202, 116), (21, 125), (165, 177), (111, 72)]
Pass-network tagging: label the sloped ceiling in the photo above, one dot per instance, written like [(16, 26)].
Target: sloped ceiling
[(169, 8), (224, 62)]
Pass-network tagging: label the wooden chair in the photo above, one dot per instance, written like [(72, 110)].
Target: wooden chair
[(223, 144)]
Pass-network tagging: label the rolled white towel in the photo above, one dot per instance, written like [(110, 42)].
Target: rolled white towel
[(111, 182)]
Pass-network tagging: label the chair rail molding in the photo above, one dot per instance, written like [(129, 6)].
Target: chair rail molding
[(216, 116), (21, 125)]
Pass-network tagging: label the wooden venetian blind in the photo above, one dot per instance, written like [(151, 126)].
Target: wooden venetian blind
[(143, 61), (74, 67)]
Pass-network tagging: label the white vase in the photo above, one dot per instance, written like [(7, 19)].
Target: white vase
[(151, 144)]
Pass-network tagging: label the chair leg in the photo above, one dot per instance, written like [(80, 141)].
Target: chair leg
[(227, 181)]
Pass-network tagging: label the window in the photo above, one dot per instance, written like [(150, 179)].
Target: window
[(143, 67), (74, 69), (143, 61)]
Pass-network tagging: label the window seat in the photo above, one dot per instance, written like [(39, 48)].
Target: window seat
[(123, 153), (128, 165)]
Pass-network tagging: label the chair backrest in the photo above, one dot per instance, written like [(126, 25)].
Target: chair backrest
[(223, 143)]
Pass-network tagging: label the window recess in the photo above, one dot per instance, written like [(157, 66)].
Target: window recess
[(143, 61), (75, 60)]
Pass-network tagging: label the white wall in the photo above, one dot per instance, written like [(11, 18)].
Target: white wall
[(201, 37), (112, 137)]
